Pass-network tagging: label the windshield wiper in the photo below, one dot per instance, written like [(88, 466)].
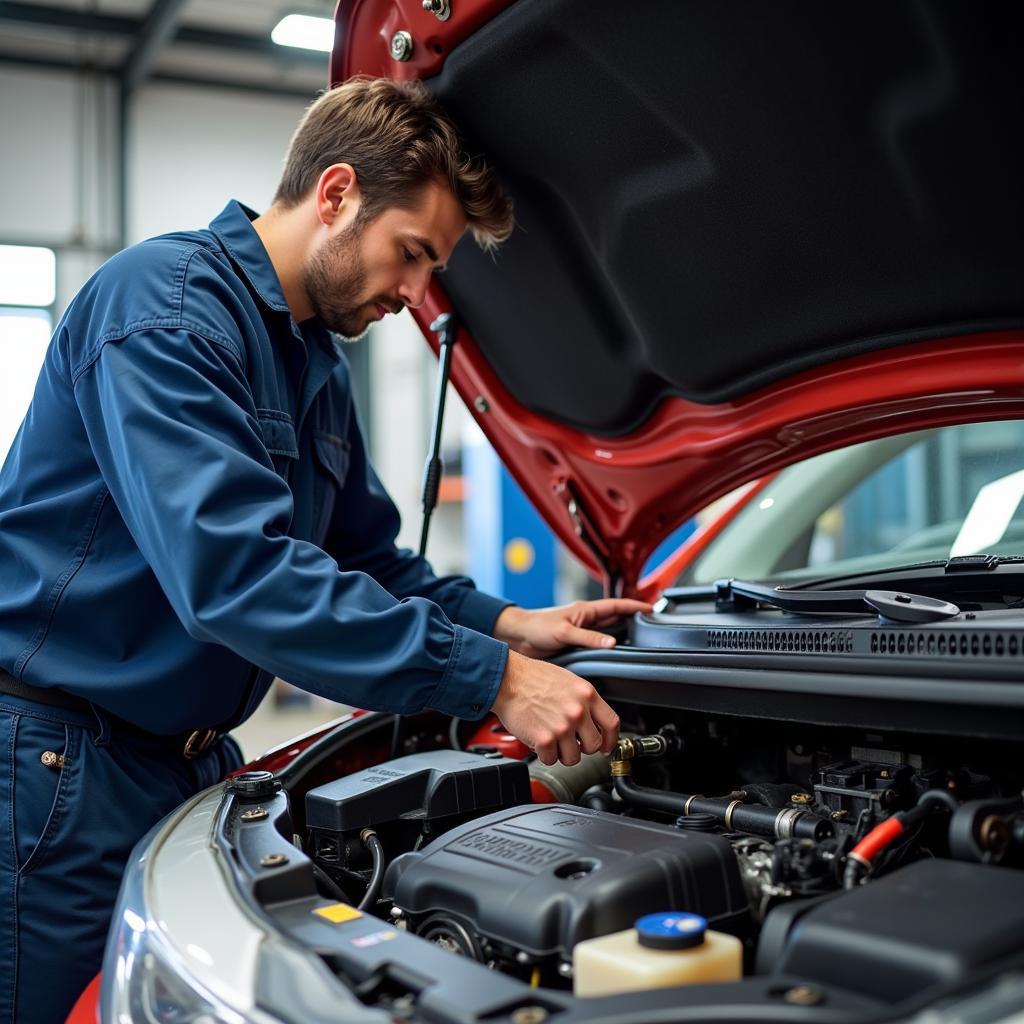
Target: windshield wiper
[(961, 566), (815, 597), (889, 605)]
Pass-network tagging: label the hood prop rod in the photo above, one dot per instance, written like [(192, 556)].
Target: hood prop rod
[(446, 326)]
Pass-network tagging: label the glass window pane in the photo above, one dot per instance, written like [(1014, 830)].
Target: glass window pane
[(28, 275), (925, 496), (24, 335)]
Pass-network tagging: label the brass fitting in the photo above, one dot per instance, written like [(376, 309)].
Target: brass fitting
[(624, 749), (629, 747)]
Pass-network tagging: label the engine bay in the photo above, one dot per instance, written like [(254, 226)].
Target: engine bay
[(855, 869)]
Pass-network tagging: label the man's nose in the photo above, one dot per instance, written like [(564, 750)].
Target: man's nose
[(414, 290)]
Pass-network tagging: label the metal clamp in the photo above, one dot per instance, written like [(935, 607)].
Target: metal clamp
[(727, 820), (785, 822)]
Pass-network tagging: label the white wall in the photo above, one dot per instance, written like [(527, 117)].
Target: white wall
[(193, 149), (56, 157), (189, 151)]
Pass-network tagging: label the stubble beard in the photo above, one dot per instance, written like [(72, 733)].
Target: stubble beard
[(335, 281)]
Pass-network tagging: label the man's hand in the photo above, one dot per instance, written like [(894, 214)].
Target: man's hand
[(539, 634), (553, 711)]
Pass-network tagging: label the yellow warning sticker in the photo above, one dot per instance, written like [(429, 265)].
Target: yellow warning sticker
[(338, 913)]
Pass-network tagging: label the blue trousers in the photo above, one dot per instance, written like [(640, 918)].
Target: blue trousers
[(69, 828)]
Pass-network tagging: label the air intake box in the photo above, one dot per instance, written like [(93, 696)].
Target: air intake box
[(412, 797)]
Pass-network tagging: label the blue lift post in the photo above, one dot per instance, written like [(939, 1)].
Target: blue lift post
[(511, 550)]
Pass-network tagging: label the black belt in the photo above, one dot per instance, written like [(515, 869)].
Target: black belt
[(193, 742)]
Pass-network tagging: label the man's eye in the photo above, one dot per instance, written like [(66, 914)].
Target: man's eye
[(408, 256)]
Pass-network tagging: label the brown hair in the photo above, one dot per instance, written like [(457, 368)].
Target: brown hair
[(397, 139)]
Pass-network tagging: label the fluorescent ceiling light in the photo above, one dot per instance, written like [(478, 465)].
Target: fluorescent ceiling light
[(305, 31)]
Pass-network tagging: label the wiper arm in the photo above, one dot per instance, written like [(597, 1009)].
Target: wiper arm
[(890, 605), (815, 597), (960, 566)]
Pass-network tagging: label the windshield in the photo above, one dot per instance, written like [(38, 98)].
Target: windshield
[(912, 498)]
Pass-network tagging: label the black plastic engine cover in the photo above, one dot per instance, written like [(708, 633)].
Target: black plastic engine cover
[(424, 787), (926, 924), (540, 879)]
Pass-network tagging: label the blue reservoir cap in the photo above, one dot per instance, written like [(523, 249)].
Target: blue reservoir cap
[(671, 930)]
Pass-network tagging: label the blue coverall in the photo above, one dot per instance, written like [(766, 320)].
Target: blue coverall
[(187, 511)]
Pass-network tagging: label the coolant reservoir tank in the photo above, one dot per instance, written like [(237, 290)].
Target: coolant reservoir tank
[(661, 951)]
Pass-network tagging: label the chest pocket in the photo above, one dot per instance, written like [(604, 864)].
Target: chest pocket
[(279, 437), (332, 459)]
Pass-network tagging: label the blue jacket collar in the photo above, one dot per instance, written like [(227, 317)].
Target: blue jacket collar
[(233, 226)]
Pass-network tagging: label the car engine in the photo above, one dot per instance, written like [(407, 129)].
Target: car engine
[(520, 888), (831, 854)]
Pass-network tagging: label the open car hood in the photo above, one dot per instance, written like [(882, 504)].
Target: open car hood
[(746, 234)]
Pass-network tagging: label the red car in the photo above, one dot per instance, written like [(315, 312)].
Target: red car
[(769, 247)]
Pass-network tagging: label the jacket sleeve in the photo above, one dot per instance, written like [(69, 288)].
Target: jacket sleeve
[(362, 535), (173, 426)]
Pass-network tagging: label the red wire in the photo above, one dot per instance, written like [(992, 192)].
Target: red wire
[(878, 839)]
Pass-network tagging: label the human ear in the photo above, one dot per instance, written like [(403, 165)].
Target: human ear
[(337, 194)]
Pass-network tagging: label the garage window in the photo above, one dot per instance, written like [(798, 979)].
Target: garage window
[(28, 288)]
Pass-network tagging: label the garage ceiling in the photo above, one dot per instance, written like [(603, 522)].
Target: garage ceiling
[(205, 42)]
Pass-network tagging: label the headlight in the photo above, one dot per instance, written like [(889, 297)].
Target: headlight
[(181, 949), (147, 989)]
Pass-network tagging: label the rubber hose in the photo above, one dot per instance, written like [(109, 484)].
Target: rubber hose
[(753, 818), (372, 843), (851, 874), (928, 802), (939, 798), (652, 799), (597, 798)]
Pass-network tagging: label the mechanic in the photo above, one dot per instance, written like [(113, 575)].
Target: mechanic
[(188, 510)]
